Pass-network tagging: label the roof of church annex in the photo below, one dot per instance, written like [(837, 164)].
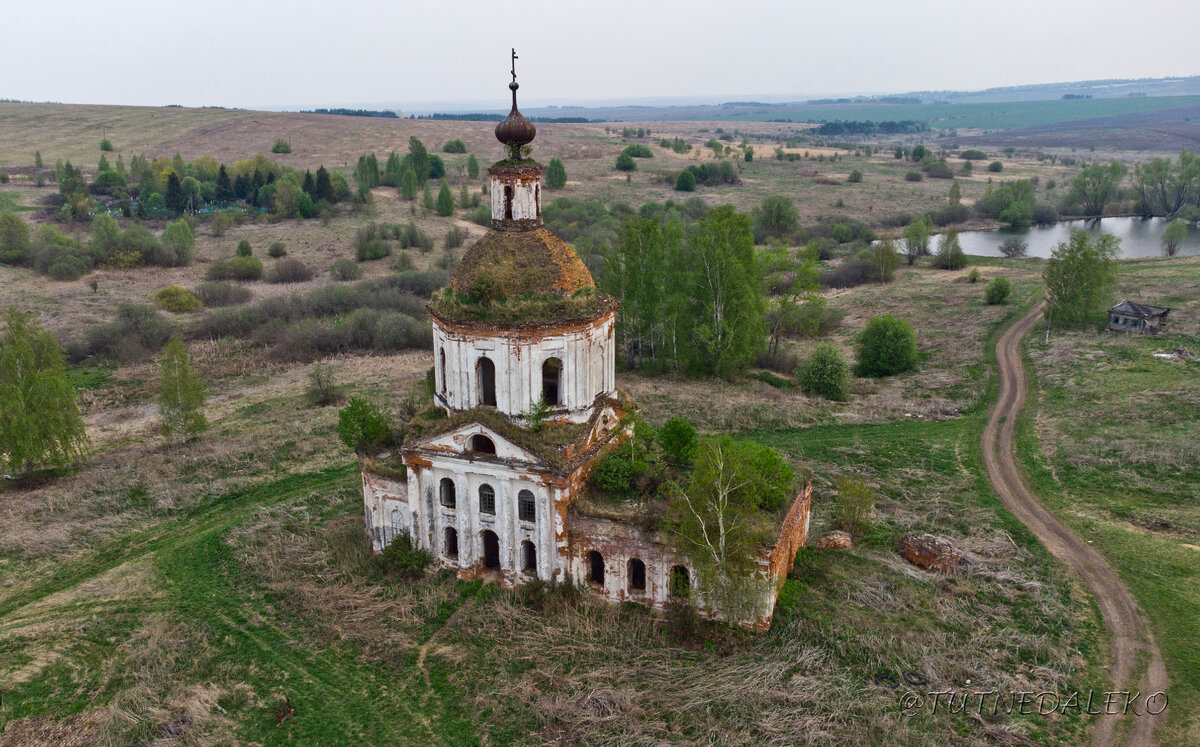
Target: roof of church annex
[(521, 263)]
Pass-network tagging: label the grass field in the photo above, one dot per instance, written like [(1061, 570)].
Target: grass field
[(1111, 444)]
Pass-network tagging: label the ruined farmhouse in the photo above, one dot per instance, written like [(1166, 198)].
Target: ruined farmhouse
[(524, 381), (1128, 316)]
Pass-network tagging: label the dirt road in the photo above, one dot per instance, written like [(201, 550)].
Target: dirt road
[(1133, 645)]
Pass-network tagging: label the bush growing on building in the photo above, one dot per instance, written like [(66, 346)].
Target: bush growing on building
[(362, 424), (997, 291), (887, 346), (402, 558), (825, 373), (678, 440), (177, 300)]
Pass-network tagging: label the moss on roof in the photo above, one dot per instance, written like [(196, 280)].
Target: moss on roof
[(531, 309), (522, 263)]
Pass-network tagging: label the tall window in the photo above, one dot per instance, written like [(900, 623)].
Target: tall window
[(526, 510), (485, 371), (487, 500), (442, 360), (551, 378), (528, 558), (637, 575), (595, 568), (446, 493), (450, 544), (508, 198)]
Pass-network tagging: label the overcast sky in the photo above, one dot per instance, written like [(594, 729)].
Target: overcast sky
[(305, 53)]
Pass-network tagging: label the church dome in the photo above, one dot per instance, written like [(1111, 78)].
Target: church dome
[(515, 128), (521, 263)]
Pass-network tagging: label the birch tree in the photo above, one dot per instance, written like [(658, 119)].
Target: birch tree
[(181, 394)]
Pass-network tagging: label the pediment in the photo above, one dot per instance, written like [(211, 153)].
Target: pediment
[(458, 442)]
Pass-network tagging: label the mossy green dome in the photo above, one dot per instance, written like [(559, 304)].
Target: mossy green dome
[(521, 263)]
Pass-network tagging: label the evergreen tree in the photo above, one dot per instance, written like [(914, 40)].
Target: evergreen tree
[(445, 201), (472, 167), (181, 394), (175, 198), (120, 165), (103, 166), (464, 197), (309, 185), (40, 422), (408, 184), (955, 196), (256, 183), (418, 158), (224, 190), (37, 158), (427, 198), (324, 186), (556, 174)]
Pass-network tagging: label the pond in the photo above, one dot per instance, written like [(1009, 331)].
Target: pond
[(1140, 237)]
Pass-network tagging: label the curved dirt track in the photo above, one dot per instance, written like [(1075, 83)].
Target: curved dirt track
[(1132, 642)]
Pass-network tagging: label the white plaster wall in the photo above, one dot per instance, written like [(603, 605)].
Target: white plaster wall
[(526, 197), (588, 357)]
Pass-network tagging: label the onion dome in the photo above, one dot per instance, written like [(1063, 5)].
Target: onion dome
[(515, 128)]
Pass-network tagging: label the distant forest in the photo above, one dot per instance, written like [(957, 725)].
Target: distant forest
[(355, 113), (887, 127), (482, 117)]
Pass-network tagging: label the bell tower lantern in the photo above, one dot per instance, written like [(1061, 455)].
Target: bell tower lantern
[(516, 187)]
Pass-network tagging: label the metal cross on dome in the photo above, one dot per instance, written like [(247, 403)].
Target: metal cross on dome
[(514, 64)]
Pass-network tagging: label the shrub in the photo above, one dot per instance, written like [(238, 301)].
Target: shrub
[(614, 472), (997, 291), (106, 145), (345, 269), (3, 177), (973, 155), (179, 243), (289, 271), (369, 243), (136, 334), (1044, 214), (245, 268), (825, 373), (454, 146), (277, 250), (281, 146), (220, 223), (886, 347), (482, 216), (244, 249), (973, 276), (855, 500), (842, 233), (1014, 247), (995, 166), (686, 182), (218, 270), (625, 162), (14, 239), (322, 390), (855, 177), (679, 440), (637, 150), (950, 255), (455, 237), (913, 176), (222, 293), (939, 170), (403, 558), (362, 424), (176, 299), (396, 331)]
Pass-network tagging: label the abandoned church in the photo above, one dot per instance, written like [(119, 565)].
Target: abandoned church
[(497, 484)]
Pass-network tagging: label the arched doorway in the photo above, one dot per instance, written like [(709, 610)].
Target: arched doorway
[(485, 373), (552, 381), (637, 575), (450, 542), (491, 550), (595, 568), (528, 558)]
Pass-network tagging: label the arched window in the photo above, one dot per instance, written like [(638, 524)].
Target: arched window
[(526, 509), (637, 575), (680, 583), (537, 198), (450, 542), (487, 500), (595, 568), (485, 373), (508, 198), (446, 493), (482, 444), (551, 378), (442, 360), (491, 549), (528, 558)]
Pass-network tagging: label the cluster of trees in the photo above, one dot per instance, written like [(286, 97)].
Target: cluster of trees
[(887, 127), (691, 300), (678, 145), (171, 186), (64, 257), (710, 174), (1166, 187), (40, 421)]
